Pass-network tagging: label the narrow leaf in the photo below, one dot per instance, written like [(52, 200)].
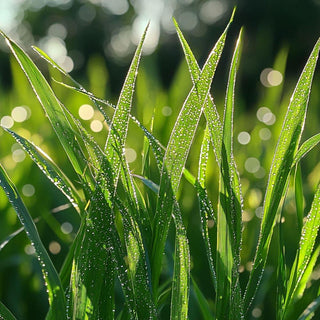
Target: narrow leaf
[(283, 159), (55, 291)]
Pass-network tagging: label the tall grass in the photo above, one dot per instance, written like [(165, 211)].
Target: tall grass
[(116, 265)]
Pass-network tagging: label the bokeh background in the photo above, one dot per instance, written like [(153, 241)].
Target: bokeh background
[(95, 41)]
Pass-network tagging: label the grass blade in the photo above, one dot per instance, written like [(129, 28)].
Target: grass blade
[(119, 126), (181, 272), (308, 237), (55, 291), (283, 159), (176, 154), (50, 169), (5, 313), (306, 147), (298, 188), (228, 298), (52, 108)]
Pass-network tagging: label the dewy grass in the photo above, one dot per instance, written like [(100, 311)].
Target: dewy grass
[(115, 266)]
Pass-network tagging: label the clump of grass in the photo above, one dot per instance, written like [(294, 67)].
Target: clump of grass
[(114, 267)]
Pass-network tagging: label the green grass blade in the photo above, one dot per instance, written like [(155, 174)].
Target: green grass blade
[(119, 127), (207, 216), (308, 238), (177, 151), (298, 189), (50, 169), (228, 298), (55, 291), (202, 301), (181, 272), (5, 313), (283, 159), (306, 147), (52, 108)]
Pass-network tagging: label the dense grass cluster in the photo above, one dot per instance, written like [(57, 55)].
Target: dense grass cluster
[(130, 257)]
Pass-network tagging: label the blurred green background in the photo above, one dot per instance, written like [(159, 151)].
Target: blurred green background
[(95, 40)]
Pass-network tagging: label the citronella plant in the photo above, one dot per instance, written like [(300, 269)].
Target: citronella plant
[(115, 266)]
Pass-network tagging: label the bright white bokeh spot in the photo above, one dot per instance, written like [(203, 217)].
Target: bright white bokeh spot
[(54, 247), (211, 11), (121, 42), (29, 249), (187, 20), (117, 7), (19, 114), (66, 227), (265, 134), (265, 115), (130, 154), (274, 78), (259, 212), (58, 30), (7, 122), (269, 118), (270, 77), (166, 111), (86, 112), (96, 126), (152, 37), (54, 47), (67, 64), (28, 190), (252, 165), (244, 137), (18, 155)]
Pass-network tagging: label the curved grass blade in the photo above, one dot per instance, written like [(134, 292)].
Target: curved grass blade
[(119, 126), (283, 159), (5, 313), (228, 295), (306, 147), (181, 272), (176, 154), (308, 237), (55, 290), (52, 108), (50, 169)]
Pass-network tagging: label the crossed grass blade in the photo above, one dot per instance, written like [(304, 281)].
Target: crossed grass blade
[(50, 169), (176, 154), (283, 159), (55, 291)]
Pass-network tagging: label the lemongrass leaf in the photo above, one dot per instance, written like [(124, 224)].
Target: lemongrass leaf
[(55, 290), (283, 159)]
